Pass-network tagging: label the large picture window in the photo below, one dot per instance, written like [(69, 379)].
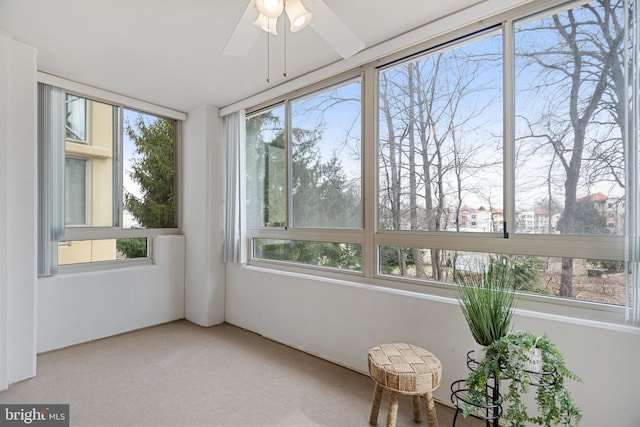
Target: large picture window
[(570, 95), (326, 159), (119, 181), (507, 141), (304, 172)]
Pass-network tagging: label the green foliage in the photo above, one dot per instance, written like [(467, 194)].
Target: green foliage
[(505, 361), (390, 258), (153, 170), (527, 271), (335, 255), (608, 265), (132, 248), (389, 261), (487, 301), (321, 193), (587, 220)]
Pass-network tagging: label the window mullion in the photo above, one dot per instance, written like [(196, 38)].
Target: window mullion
[(287, 165), (118, 181), (369, 171), (508, 127)]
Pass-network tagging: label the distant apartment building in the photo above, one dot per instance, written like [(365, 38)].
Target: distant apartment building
[(542, 221), (611, 209), (480, 219)]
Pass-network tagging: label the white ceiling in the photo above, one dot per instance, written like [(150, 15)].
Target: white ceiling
[(169, 52)]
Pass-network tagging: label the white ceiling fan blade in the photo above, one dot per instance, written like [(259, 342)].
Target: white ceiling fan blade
[(333, 30), (245, 34)]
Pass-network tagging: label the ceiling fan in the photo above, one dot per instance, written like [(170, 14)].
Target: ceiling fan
[(261, 15)]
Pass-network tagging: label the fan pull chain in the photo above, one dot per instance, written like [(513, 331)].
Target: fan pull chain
[(268, 55), (284, 73)]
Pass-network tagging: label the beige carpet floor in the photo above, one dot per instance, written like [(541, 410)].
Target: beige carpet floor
[(180, 374)]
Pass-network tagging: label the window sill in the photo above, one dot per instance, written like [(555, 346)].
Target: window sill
[(529, 305), (104, 265)]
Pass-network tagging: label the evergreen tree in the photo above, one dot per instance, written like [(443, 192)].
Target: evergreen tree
[(321, 193), (154, 172), (587, 220)]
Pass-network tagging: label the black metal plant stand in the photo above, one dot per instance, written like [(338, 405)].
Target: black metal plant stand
[(491, 410)]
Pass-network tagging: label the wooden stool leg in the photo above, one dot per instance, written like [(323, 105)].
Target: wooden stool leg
[(375, 408), (416, 408), (431, 409), (392, 416)]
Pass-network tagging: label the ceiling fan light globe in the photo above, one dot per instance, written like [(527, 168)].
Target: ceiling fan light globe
[(300, 22), (270, 8), (298, 15), (266, 24)]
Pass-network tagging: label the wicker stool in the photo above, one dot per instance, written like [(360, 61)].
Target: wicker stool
[(405, 369)]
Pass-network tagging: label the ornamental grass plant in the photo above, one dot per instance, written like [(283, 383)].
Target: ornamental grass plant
[(487, 300)]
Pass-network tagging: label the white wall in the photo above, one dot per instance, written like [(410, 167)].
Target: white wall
[(202, 188), (341, 321), (4, 179), (79, 307), (17, 211)]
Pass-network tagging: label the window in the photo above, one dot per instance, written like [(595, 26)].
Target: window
[(323, 254), (148, 194), (325, 177), (440, 140), (569, 95), (266, 171), (504, 142), (316, 159), (119, 181), (305, 174), (442, 153)]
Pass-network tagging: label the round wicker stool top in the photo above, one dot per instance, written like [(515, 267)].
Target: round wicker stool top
[(405, 368)]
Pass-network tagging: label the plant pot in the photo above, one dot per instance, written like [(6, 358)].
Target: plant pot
[(479, 352), (534, 364)]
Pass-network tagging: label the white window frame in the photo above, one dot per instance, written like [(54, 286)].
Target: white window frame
[(116, 232)]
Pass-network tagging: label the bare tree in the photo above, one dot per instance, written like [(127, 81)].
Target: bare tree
[(577, 57), (391, 168), (430, 115)]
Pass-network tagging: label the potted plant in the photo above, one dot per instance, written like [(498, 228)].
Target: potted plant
[(487, 301), (509, 358)]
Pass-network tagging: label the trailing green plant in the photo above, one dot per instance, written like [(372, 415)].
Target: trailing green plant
[(487, 301), (505, 360)]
